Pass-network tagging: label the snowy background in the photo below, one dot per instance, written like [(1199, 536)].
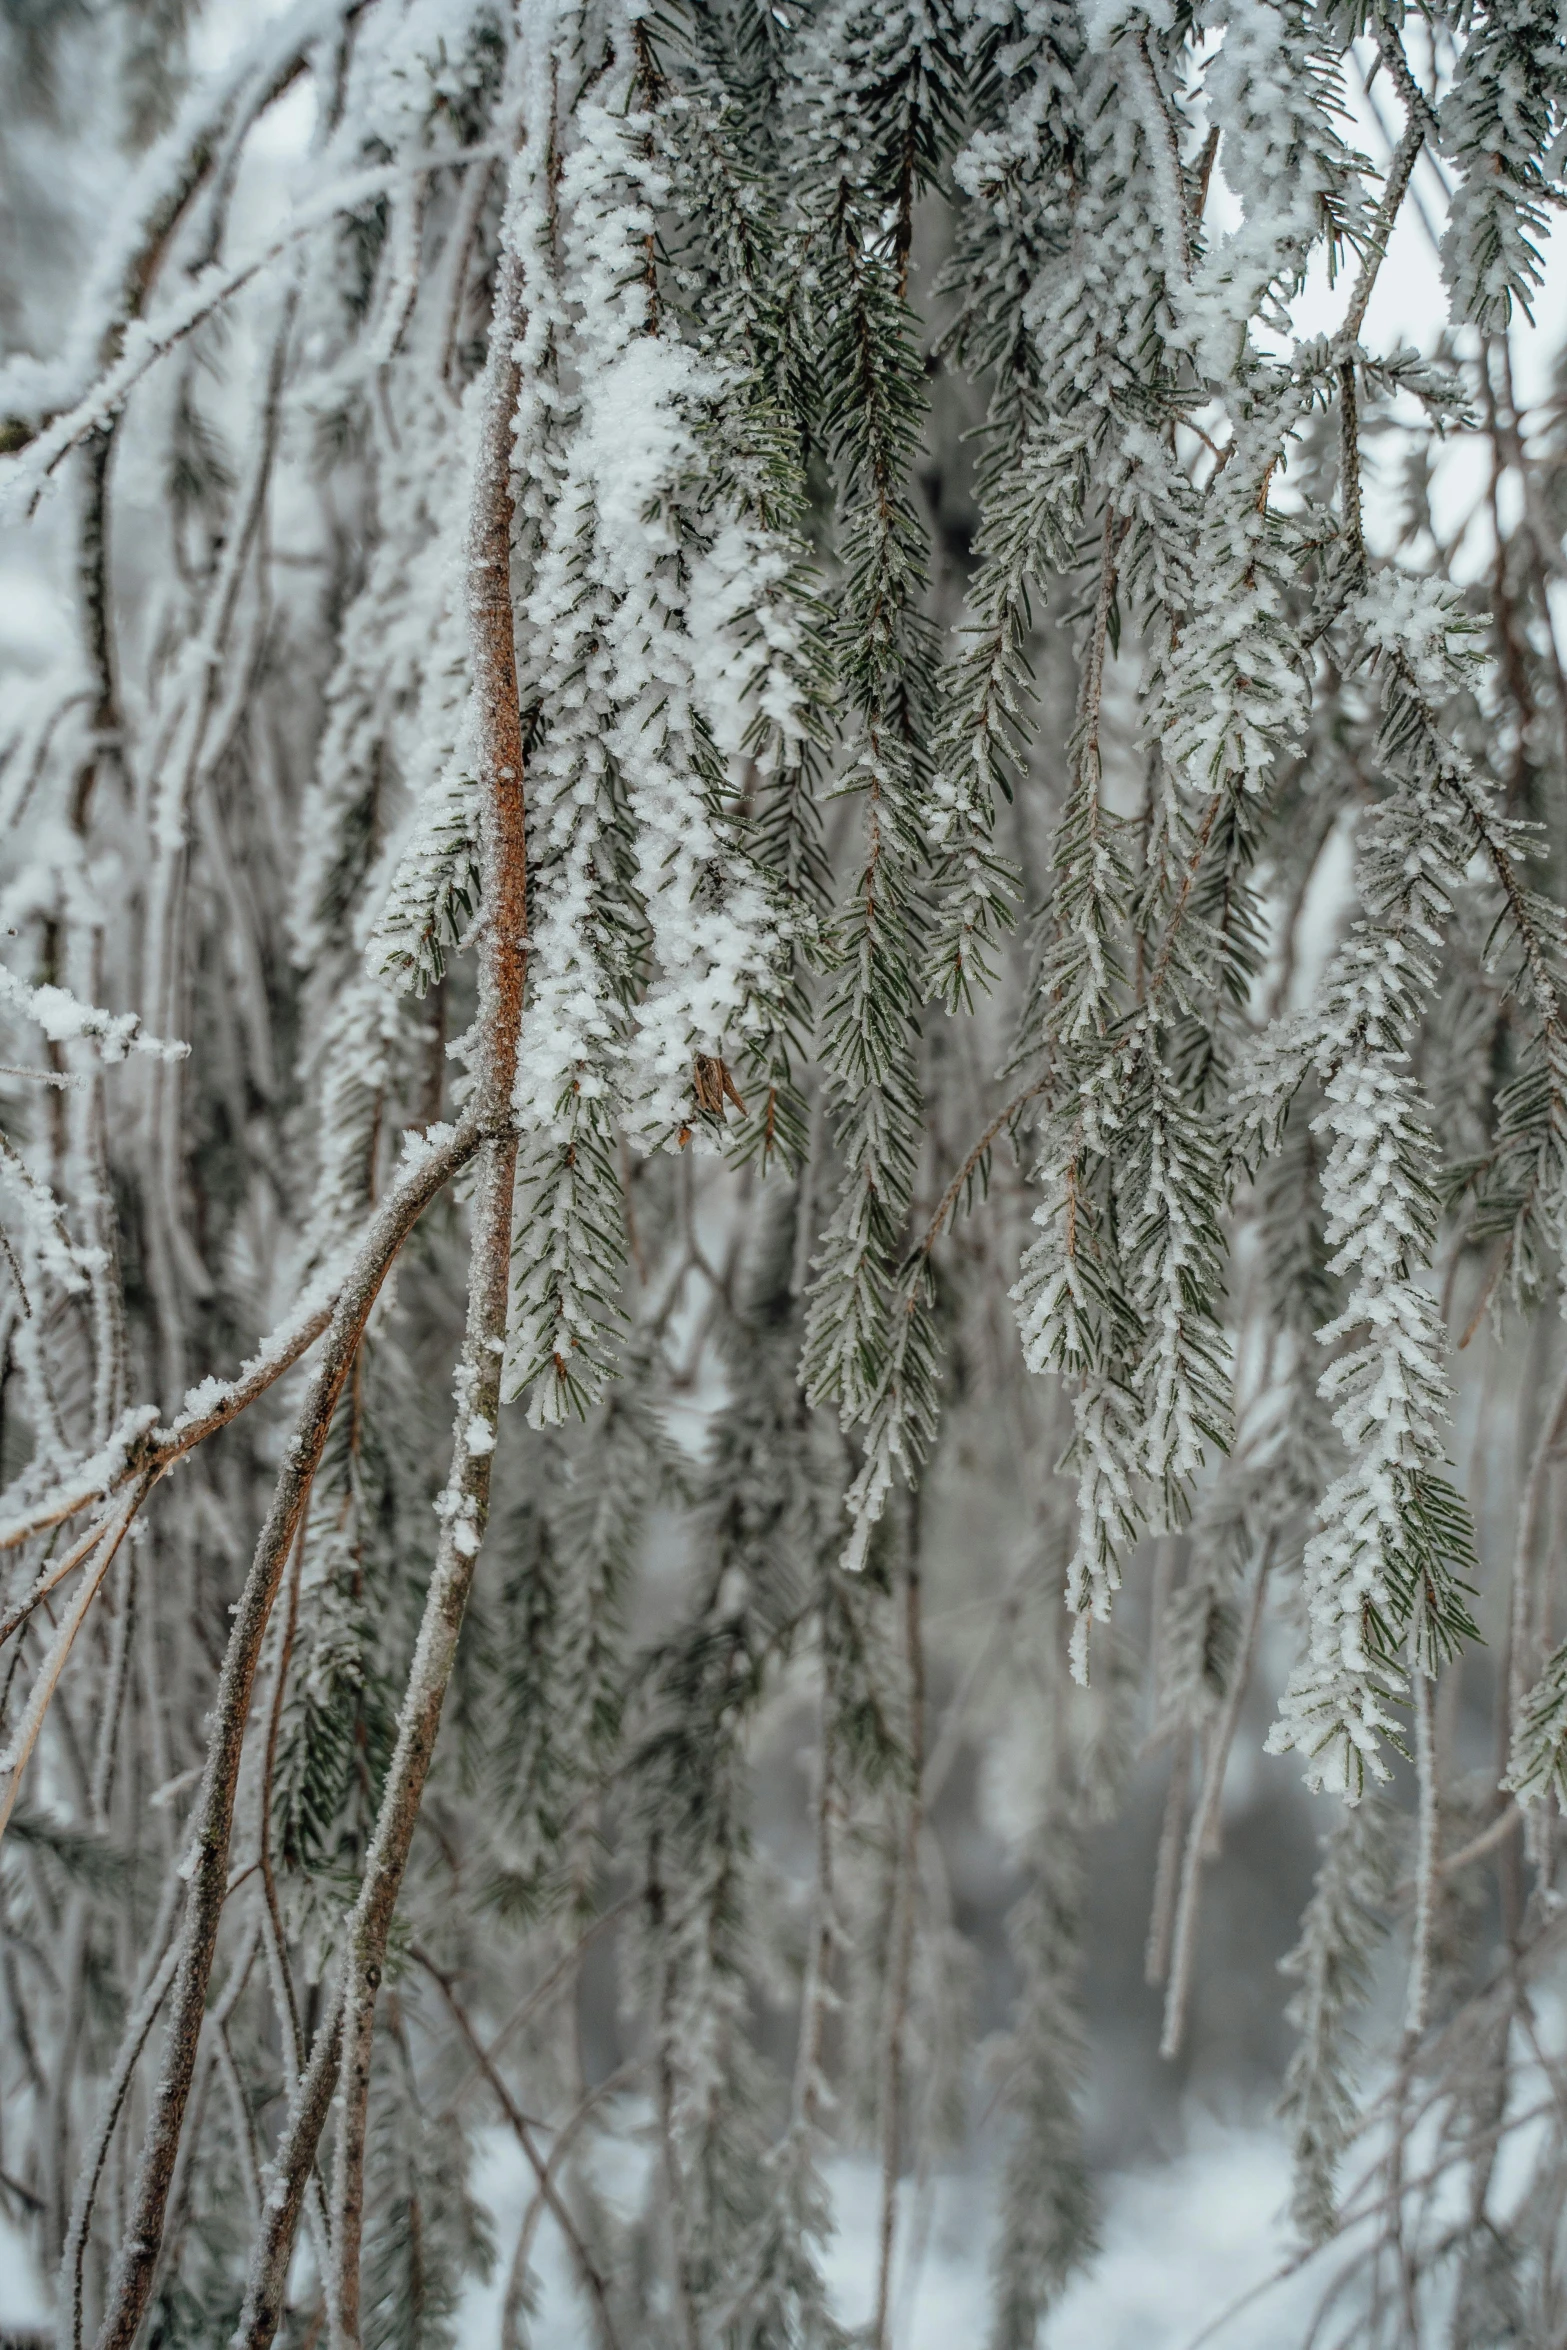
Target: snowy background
[(1183, 2242)]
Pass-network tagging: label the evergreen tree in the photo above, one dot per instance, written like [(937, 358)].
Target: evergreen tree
[(752, 841)]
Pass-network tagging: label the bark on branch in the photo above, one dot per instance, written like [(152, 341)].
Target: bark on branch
[(347, 2038), (208, 1862)]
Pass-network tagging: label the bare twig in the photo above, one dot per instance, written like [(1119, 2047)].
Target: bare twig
[(388, 1230), (1478, 1846), (521, 2130), (1167, 1867), (560, 1973), (966, 1172), (139, 1445), (1521, 1661), (116, 2091), (904, 1920), (57, 1570), (1426, 1866), (25, 1738), (1205, 1816), (565, 2138), (465, 228)]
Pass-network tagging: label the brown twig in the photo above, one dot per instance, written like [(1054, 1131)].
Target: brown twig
[(950, 1197), (389, 1228), (466, 1501), (677, 2199), (541, 1993), (45, 1682), (288, 2004), (522, 2131), (1417, 126), (1541, 544), (565, 2138), (1205, 1818), (162, 1447), (54, 1573), (465, 1504), (293, 2164), (116, 2090)]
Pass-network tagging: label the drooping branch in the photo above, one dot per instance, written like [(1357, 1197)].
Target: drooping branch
[(901, 1940), (390, 1227), (34, 457), (204, 143), (25, 1738), (139, 1446), (543, 2170), (116, 2091), (465, 1503), (542, 1993), (1205, 1818)]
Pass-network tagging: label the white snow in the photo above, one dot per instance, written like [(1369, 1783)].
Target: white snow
[(23, 2302), (1182, 2242)]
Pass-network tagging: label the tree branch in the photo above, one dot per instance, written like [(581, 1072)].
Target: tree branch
[(542, 2170), (465, 1503), (389, 1228)]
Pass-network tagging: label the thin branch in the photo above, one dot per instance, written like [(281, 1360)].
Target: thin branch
[(522, 2132), (816, 1996), (207, 2063), (389, 1228), (55, 1573), (1418, 126), (954, 1191), (1426, 1865), (139, 1444), (465, 228), (30, 457), (1464, 1854), (293, 2165), (346, 2039), (1520, 1662), (1167, 1866), (213, 131), (465, 1503), (286, 2002), (1205, 1817), (14, 1761), (564, 1968), (565, 2138), (905, 1919), (116, 2090)]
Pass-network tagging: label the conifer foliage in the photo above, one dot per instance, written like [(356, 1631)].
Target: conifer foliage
[(757, 871)]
